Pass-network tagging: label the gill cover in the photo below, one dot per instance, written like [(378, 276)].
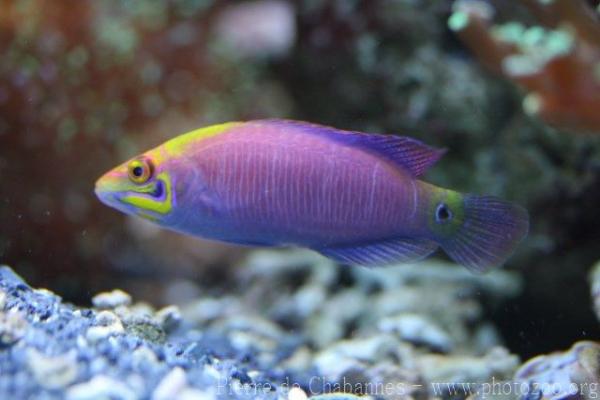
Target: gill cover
[(155, 197)]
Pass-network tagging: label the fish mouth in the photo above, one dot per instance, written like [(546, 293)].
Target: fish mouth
[(153, 200), (108, 189), (113, 191)]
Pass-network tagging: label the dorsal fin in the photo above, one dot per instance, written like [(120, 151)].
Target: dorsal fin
[(409, 154)]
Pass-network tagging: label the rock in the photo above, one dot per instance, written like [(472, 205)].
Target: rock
[(337, 396), (296, 393), (11, 279), (369, 349), (101, 387), (53, 372), (497, 363), (195, 394), (110, 300), (106, 324), (273, 264), (574, 373), (145, 327), (323, 330), (417, 329), (392, 381), (346, 305), (140, 308), (169, 318), (252, 332), (354, 355), (433, 272), (212, 372), (171, 385), (295, 316), (300, 360), (76, 353), (309, 299), (143, 357), (208, 309), (13, 327)]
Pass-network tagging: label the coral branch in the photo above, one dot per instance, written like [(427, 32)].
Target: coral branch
[(557, 63), (472, 22)]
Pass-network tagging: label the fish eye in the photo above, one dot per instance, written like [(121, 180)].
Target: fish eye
[(443, 213), (140, 170)]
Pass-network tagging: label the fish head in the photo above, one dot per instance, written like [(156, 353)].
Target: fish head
[(142, 186)]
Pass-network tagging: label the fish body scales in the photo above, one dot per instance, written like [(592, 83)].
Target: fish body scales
[(281, 186)]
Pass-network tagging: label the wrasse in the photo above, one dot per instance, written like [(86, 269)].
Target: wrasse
[(351, 196)]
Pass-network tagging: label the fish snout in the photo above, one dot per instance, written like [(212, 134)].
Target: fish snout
[(109, 187)]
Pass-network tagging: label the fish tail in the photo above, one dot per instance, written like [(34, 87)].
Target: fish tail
[(487, 233)]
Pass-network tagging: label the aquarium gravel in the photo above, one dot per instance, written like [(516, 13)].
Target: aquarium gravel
[(53, 350), (237, 347), (414, 330)]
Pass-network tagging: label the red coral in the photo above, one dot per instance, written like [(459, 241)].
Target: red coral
[(557, 62)]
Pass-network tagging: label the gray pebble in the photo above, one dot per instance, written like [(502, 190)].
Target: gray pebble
[(13, 327), (172, 384), (112, 299), (53, 372), (169, 318), (107, 324), (101, 387), (418, 329)]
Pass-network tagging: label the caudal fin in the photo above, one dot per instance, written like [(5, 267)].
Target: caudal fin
[(490, 232)]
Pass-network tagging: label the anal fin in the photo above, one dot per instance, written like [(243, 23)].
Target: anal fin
[(391, 251)]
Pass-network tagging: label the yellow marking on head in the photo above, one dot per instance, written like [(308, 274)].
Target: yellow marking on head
[(149, 188), (179, 144), (148, 204)]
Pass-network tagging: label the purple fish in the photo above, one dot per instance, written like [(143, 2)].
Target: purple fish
[(352, 196)]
